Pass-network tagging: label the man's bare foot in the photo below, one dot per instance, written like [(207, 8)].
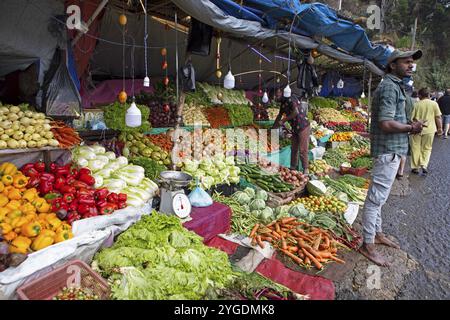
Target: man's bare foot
[(382, 239), (368, 250)]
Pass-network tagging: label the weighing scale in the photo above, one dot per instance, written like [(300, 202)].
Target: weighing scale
[(173, 198)]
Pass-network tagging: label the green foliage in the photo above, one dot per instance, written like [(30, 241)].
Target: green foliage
[(114, 115), (321, 102), (240, 115)]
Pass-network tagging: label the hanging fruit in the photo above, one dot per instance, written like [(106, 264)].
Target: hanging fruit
[(219, 74), (166, 81), (163, 52), (166, 108), (164, 65), (315, 53), (260, 92), (220, 96), (123, 19), (122, 97)]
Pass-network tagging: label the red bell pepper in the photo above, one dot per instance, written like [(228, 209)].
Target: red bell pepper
[(87, 178), (93, 212), (101, 194), (53, 167), (59, 203), (48, 177), (122, 197), (73, 206), (78, 184), (33, 182), (121, 205), (72, 216), (63, 171), (27, 166), (84, 171), (108, 209), (74, 172), (83, 209), (60, 182), (68, 189), (101, 204), (86, 191), (115, 206), (113, 197), (39, 166), (51, 196), (68, 197), (45, 186), (86, 199), (70, 179), (31, 172)]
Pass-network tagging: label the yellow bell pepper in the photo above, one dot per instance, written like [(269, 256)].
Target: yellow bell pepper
[(30, 194), (7, 180), (31, 229), (3, 200), (6, 227), (18, 222), (27, 208), (10, 236), (63, 236), (8, 169), (42, 241), (41, 205), (14, 194), (54, 223), (20, 245), (64, 227), (14, 214), (13, 205), (2, 186), (44, 223), (20, 181), (48, 232), (31, 217)]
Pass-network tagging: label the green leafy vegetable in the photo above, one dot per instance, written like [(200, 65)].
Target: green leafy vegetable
[(114, 115), (362, 162), (240, 115), (151, 167)]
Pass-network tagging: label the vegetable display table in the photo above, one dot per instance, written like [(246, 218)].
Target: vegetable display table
[(22, 156), (210, 221)]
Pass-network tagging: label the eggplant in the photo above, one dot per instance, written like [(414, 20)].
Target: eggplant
[(61, 214)]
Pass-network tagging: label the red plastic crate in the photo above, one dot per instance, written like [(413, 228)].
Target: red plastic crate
[(73, 273), (353, 171)]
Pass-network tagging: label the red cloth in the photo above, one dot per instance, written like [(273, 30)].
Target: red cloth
[(210, 221), (317, 288), (107, 91)]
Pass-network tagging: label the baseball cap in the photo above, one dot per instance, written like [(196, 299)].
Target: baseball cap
[(397, 54)]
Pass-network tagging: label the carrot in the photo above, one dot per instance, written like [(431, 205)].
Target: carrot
[(254, 241), (314, 260), (293, 256), (309, 249), (292, 249), (253, 232), (287, 220), (300, 253), (283, 243), (317, 241), (337, 259), (271, 224), (259, 241), (277, 227), (307, 260), (282, 233), (269, 239), (276, 234)]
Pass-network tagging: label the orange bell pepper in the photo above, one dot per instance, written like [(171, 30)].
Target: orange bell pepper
[(10, 236), (14, 194), (31, 229), (20, 181)]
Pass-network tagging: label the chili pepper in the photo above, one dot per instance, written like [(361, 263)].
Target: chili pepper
[(73, 206), (122, 197), (39, 166), (86, 199), (86, 191), (83, 208), (68, 197), (87, 178), (70, 179), (78, 184), (101, 204), (113, 197), (73, 216), (121, 205), (33, 182), (31, 172), (108, 209), (45, 186), (84, 171), (68, 189), (48, 177), (59, 183), (101, 194)]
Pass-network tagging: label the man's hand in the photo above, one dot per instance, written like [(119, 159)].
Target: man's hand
[(417, 127)]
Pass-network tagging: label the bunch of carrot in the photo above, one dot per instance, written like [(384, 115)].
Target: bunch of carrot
[(217, 117), (162, 140), (301, 242), (66, 136)]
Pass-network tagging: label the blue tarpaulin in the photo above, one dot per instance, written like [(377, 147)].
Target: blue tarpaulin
[(352, 87), (315, 19)]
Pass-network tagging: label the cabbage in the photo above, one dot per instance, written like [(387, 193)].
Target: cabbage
[(82, 162), (257, 204), (111, 155), (234, 179), (229, 161), (137, 192), (256, 213), (96, 165), (98, 180), (98, 149), (199, 173), (105, 172), (150, 185), (88, 155), (298, 211), (103, 159), (134, 201), (113, 165), (114, 183), (122, 161), (281, 212), (241, 197), (220, 165), (250, 192), (267, 214), (316, 188), (190, 166), (234, 171), (207, 182), (261, 194)]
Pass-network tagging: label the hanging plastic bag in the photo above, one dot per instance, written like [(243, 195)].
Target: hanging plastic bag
[(200, 198)]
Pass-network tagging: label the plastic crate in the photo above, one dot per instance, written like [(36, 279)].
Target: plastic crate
[(353, 171), (74, 273)]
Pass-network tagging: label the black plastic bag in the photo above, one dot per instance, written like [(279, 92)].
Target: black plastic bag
[(187, 77), (199, 39), (60, 95)]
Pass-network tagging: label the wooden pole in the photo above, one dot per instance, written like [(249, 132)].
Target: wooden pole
[(369, 101)]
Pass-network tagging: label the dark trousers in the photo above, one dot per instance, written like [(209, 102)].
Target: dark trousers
[(300, 143)]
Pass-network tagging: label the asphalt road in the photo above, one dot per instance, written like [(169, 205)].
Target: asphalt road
[(421, 223)]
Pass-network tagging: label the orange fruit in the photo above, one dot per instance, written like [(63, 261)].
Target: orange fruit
[(122, 97), (123, 19), (163, 51)]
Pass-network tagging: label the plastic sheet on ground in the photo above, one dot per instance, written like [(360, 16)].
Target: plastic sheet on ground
[(317, 288)]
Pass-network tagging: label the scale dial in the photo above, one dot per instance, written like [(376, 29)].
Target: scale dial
[(181, 205)]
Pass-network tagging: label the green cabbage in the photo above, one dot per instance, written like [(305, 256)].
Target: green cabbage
[(298, 211), (267, 215), (241, 197), (250, 192), (257, 204), (316, 188), (261, 194)]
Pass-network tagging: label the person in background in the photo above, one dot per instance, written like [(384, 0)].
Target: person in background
[(421, 144), (389, 131), (415, 96), (296, 114), (444, 106)]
